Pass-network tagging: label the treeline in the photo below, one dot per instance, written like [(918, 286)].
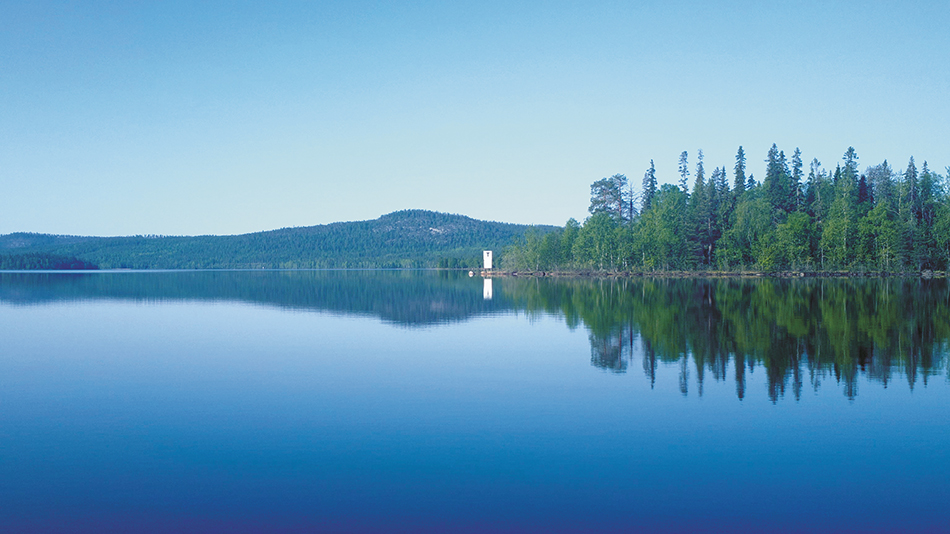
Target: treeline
[(41, 261), (878, 220)]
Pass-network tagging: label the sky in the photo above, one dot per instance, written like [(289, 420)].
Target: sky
[(192, 118)]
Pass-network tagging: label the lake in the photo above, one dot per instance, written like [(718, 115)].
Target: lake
[(423, 401)]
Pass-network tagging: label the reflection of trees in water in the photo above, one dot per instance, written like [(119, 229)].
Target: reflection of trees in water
[(408, 297), (607, 353), (613, 352), (801, 332)]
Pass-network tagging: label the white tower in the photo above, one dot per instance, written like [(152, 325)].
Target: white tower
[(486, 255)]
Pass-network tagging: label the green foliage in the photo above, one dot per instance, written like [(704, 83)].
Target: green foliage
[(684, 170), (742, 244), (659, 236), (43, 261), (595, 246), (649, 188), (845, 220), (740, 179), (791, 247), (609, 195), (838, 236)]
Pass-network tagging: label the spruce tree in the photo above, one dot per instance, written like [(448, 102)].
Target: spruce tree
[(698, 208), (649, 188), (739, 184), (928, 210), (812, 192), (911, 191), (717, 191), (776, 183), (796, 180), (850, 159), (909, 211), (881, 185), (684, 172), (722, 183), (700, 168)]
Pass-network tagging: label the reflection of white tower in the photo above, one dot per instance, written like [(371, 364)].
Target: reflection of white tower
[(487, 289), (486, 255)]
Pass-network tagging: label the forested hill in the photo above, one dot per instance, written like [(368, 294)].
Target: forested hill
[(409, 238)]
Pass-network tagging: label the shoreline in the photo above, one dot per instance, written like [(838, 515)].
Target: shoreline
[(500, 273)]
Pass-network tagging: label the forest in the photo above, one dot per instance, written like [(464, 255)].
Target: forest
[(879, 220), (41, 261)]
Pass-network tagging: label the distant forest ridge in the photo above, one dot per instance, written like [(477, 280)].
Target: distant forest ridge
[(796, 218), (402, 239), (43, 261)]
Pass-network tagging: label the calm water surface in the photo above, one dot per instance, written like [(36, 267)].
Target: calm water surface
[(424, 402)]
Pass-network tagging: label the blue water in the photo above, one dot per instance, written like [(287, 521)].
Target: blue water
[(152, 414)]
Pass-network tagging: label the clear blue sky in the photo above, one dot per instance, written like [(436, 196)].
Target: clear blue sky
[(167, 117)]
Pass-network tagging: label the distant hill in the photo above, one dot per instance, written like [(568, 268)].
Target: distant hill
[(43, 261), (409, 238)]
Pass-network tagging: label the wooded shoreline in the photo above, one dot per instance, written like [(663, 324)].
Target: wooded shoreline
[(796, 220), (495, 273)]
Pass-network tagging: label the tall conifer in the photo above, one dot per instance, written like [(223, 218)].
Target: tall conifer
[(739, 184), (649, 188), (684, 172), (796, 180)]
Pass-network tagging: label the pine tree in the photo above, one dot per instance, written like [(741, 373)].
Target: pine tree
[(607, 196), (909, 215), (698, 208), (684, 172), (850, 159), (649, 188), (722, 183), (777, 183), (881, 184), (700, 169), (717, 192), (928, 211), (911, 189), (812, 192), (740, 181), (796, 180)]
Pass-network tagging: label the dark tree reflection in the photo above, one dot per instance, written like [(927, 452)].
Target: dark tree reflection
[(802, 331)]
